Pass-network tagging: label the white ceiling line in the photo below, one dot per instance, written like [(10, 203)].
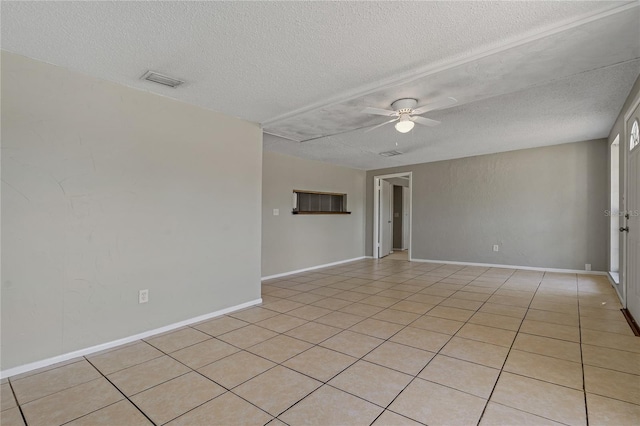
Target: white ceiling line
[(407, 77), (522, 89), (277, 135)]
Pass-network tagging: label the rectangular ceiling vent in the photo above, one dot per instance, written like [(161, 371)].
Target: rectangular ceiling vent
[(161, 79), (390, 153)]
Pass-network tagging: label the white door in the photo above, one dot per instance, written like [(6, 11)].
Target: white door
[(386, 214), (405, 218), (631, 219)]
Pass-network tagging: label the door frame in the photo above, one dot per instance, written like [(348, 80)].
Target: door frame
[(406, 212), (376, 209)]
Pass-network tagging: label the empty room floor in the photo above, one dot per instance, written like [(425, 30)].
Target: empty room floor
[(383, 342)]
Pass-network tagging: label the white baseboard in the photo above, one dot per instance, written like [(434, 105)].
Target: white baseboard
[(326, 265), (614, 277), (615, 283), (97, 348), (526, 268)]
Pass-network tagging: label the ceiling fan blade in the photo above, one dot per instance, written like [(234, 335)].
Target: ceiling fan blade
[(379, 111), (425, 121), (434, 105), (380, 125)]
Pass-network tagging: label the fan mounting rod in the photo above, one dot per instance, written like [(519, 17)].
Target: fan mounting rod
[(404, 106)]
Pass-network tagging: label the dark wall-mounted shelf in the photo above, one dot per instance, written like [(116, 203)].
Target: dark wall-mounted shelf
[(296, 212)]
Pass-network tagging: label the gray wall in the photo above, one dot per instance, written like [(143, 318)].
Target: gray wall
[(291, 242), (618, 129), (107, 190), (543, 206)]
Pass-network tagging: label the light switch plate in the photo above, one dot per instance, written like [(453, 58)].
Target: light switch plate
[(276, 212)]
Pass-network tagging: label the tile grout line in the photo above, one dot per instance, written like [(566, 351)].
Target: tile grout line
[(13, 392), (425, 366), (584, 382), (191, 370), (284, 366), (461, 289), (541, 380), (202, 375), (61, 390), (102, 408), (509, 352), (438, 353), (407, 325), (384, 341), (134, 365), (362, 359), (121, 392)]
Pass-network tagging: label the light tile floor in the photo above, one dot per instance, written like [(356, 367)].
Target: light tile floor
[(384, 342)]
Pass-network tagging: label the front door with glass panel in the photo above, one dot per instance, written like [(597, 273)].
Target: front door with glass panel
[(631, 218)]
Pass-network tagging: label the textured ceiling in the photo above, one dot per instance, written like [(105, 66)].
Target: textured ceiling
[(526, 73)]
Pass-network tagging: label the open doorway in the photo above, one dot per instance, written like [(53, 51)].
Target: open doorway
[(392, 216)]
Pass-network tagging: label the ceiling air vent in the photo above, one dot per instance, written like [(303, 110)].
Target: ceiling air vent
[(390, 153), (161, 79)]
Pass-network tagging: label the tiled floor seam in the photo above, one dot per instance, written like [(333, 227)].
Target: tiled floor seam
[(584, 381), (173, 378), (53, 393), (508, 353), (274, 366), (361, 359), (85, 415), (207, 378), (132, 365), (119, 390), (344, 353), (218, 396), (533, 414), (412, 380), (27, 374), (415, 376), (24, 419), (281, 412), (391, 411), (199, 373)]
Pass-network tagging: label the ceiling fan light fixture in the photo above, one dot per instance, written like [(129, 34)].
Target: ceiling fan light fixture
[(404, 125)]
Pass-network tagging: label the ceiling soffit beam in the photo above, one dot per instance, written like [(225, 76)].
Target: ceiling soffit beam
[(421, 72)]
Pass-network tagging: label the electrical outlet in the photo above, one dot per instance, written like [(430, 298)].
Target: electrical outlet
[(276, 212), (587, 266), (143, 296), (496, 247)]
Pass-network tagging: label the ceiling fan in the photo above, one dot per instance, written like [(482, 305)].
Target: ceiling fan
[(406, 113)]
